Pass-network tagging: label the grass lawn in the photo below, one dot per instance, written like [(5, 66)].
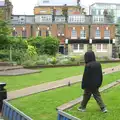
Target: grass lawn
[(112, 100), (47, 75), (42, 106)]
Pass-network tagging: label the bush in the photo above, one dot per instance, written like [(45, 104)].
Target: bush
[(38, 43), (53, 61), (40, 62), (17, 43), (104, 58), (28, 63), (4, 55), (51, 46)]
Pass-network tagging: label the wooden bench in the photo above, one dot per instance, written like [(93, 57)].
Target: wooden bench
[(9, 112), (65, 116)]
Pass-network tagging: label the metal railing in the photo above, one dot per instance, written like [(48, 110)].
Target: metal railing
[(9, 112), (65, 116)]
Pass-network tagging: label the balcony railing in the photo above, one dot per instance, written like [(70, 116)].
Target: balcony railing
[(71, 19), (59, 19)]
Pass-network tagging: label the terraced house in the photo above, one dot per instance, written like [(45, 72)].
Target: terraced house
[(77, 31)]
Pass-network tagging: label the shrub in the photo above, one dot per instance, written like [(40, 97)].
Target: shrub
[(31, 51), (38, 43), (51, 46), (53, 61), (28, 63)]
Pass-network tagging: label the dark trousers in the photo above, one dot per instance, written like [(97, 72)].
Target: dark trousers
[(96, 95)]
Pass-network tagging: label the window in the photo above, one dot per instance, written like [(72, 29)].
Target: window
[(97, 34), (24, 33), (75, 46), (43, 18), (39, 33), (106, 34), (13, 33), (78, 47), (98, 46), (81, 46), (82, 34), (76, 19), (47, 33), (46, 1), (98, 19), (104, 47), (74, 34), (101, 47), (93, 12)]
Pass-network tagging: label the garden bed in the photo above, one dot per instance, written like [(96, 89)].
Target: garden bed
[(71, 65)]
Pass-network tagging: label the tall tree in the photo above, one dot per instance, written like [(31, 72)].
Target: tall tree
[(4, 32)]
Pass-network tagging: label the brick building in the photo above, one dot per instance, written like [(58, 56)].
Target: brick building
[(82, 32)]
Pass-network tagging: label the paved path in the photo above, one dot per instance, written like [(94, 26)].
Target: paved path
[(5, 68), (19, 71), (52, 85)]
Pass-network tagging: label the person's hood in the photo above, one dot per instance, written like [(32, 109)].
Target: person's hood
[(89, 57)]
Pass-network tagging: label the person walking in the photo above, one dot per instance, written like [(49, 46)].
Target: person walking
[(91, 81)]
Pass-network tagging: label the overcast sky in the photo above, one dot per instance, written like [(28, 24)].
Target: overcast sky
[(26, 6)]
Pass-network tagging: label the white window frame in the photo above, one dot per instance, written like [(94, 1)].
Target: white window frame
[(78, 48), (97, 37), (101, 48), (108, 37), (98, 19), (84, 33), (72, 35), (76, 19)]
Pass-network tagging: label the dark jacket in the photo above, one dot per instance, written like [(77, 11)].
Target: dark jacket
[(92, 77)]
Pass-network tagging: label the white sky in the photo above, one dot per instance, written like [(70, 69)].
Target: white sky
[(26, 6)]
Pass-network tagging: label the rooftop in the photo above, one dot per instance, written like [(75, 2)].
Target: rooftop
[(56, 3), (105, 3)]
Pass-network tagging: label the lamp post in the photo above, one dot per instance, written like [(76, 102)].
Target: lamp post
[(89, 34), (113, 48), (90, 44), (47, 32), (66, 46)]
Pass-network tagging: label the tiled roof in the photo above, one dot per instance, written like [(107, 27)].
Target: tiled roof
[(2, 3)]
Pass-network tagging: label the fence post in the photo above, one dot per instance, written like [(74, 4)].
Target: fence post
[(10, 53)]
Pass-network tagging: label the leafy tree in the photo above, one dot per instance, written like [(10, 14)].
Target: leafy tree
[(65, 11), (109, 15), (51, 45), (4, 32), (118, 26), (38, 43)]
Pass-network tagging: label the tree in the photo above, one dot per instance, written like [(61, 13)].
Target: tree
[(109, 15), (118, 26), (118, 33), (51, 45), (4, 32), (65, 11)]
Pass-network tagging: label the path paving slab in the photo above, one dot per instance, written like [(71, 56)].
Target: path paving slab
[(16, 72), (5, 68)]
